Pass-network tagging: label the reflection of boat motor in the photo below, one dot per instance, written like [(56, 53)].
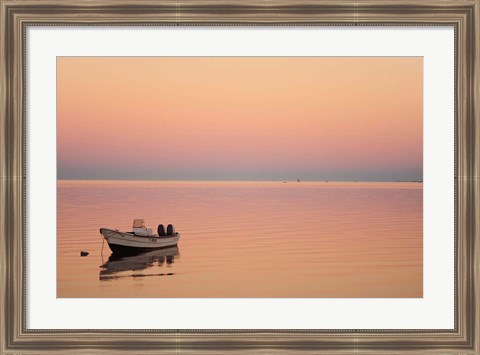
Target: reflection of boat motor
[(170, 229), (161, 230)]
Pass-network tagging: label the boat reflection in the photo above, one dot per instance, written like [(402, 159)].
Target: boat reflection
[(117, 265)]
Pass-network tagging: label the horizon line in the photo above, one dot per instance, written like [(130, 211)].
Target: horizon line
[(239, 180)]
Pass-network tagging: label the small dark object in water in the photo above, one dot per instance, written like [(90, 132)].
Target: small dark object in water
[(161, 230), (170, 230), (84, 253)]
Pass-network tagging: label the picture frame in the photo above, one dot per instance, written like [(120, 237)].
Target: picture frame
[(17, 15)]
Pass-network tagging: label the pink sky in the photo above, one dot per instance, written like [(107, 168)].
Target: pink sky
[(247, 118)]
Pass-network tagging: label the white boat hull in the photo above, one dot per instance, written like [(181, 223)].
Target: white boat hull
[(128, 243)]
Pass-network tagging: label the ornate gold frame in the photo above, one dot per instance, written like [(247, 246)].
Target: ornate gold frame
[(16, 15)]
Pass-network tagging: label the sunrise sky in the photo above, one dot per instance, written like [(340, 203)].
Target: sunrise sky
[(240, 118)]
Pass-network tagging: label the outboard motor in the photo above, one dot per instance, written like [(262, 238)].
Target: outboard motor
[(170, 229), (161, 230)]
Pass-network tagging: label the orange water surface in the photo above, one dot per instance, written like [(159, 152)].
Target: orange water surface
[(244, 239)]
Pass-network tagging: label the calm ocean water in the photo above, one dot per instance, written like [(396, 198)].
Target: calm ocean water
[(244, 239)]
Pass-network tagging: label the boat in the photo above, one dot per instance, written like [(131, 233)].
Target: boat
[(140, 239)]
